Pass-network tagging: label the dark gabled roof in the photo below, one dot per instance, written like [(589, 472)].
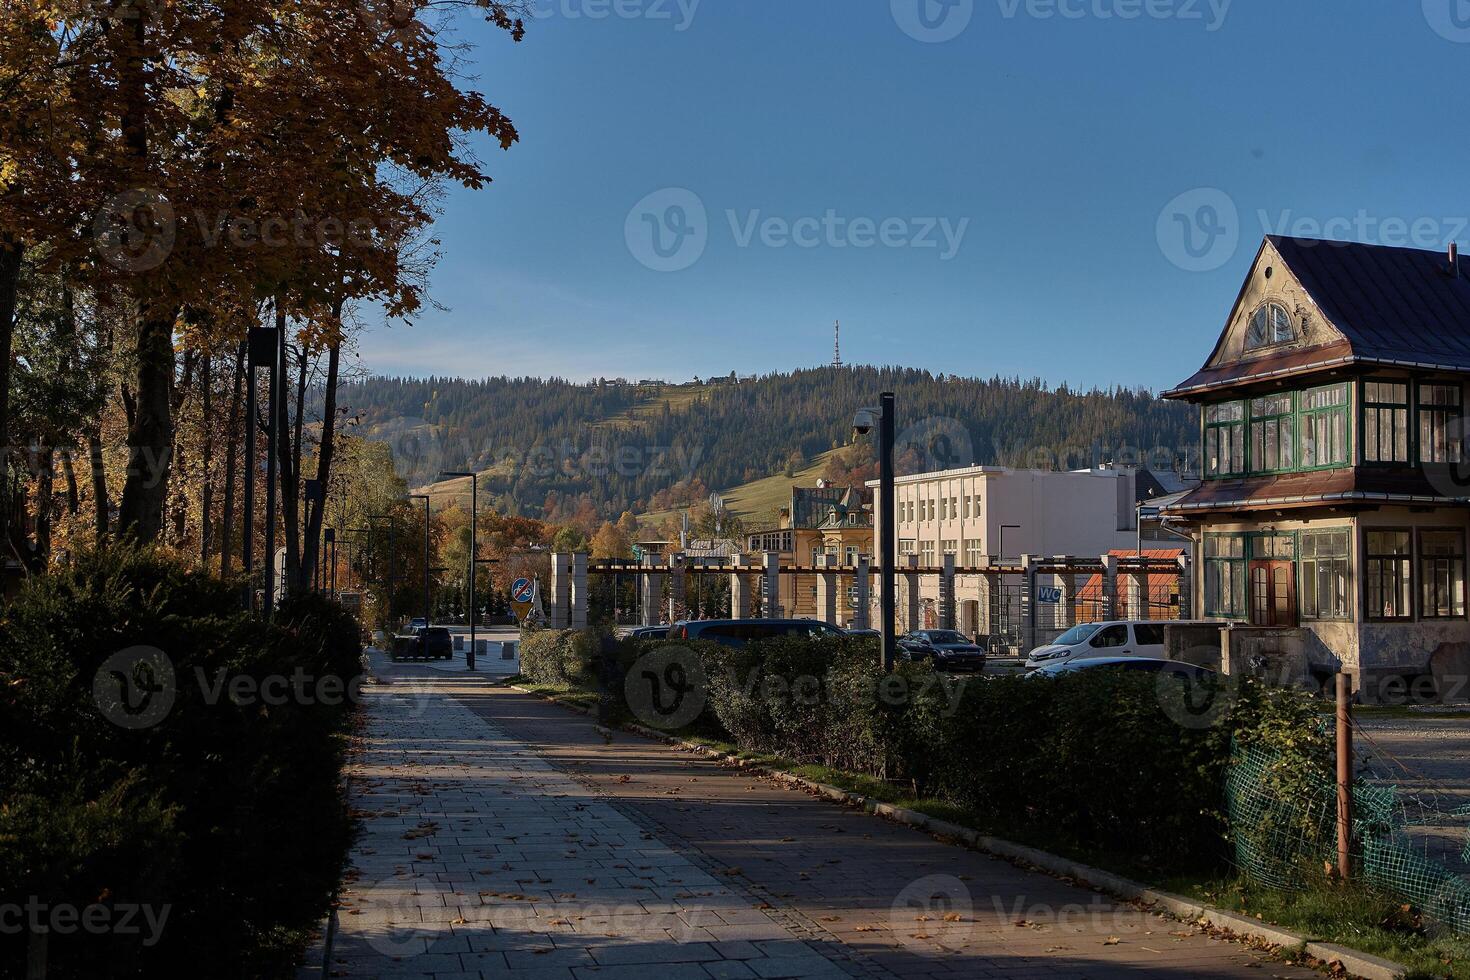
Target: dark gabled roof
[(1392, 305)]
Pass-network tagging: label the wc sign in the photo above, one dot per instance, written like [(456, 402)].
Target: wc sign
[(1049, 595)]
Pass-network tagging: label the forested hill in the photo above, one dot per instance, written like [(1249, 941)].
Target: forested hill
[(550, 444)]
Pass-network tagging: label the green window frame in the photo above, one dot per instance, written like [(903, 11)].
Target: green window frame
[(1386, 430), (1225, 439), (1225, 575), (1273, 433), (1442, 573), (1325, 580), (1388, 574), (1441, 427), (1326, 435), (1273, 546)]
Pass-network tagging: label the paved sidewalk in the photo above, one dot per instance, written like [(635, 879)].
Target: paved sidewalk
[(505, 838)]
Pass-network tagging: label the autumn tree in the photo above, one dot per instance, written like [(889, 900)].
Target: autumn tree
[(169, 154), (611, 541)]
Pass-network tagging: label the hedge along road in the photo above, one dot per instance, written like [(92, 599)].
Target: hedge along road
[(713, 872)]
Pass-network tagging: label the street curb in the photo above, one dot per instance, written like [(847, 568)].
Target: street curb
[(1354, 962)]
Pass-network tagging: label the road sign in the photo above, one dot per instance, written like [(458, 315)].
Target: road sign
[(521, 590), (1050, 595)]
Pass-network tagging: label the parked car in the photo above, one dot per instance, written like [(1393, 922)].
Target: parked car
[(738, 632), (871, 634), (1120, 638), (647, 633), (417, 625), (428, 643), (943, 649), (1147, 665)]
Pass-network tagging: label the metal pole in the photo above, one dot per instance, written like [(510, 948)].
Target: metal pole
[(428, 611), (888, 546), (474, 553), (1344, 777)]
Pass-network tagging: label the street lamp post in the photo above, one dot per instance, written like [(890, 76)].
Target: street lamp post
[(428, 608), (863, 423), (474, 516)]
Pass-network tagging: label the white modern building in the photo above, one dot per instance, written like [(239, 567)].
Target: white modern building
[(993, 515)]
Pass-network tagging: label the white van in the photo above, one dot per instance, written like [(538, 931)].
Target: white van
[(1120, 638)]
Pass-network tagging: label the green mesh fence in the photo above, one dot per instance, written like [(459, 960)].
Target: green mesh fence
[(1411, 846)]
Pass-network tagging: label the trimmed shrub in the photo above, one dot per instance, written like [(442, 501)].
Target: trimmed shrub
[(227, 810), (562, 658)]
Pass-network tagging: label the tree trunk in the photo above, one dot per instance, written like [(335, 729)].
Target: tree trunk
[(227, 519), (11, 253), (73, 498), (150, 436), (316, 511), (45, 503), (206, 497), (100, 503), (150, 428), (290, 485)]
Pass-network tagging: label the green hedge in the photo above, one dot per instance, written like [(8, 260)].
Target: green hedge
[(228, 812), (1124, 763), (561, 658)]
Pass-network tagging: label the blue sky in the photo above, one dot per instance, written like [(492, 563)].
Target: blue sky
[(1012, 200)]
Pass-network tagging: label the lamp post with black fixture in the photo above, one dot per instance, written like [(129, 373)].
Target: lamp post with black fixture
[(428, 608), (474, 552), (863, 423)]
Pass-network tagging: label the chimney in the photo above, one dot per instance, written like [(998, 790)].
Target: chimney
[(1454, 260)]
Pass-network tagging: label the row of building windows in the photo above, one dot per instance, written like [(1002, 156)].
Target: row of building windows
[(939, 508), (1311, 429), (967, 548), (1392, 573)]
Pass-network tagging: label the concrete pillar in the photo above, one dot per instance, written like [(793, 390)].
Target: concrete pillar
[(1138, 608), (826, 589), (1029, 605), (651, 585), (581, 596), (863, 580), (947, 613), (772, 578), (1110, 608), (1186, 588), (561, 591), (909, 621), (739, 587), (1066, 584), (677, 610)]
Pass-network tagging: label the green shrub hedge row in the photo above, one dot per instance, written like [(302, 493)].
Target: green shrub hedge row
[(1121, 763), (225, 820)]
